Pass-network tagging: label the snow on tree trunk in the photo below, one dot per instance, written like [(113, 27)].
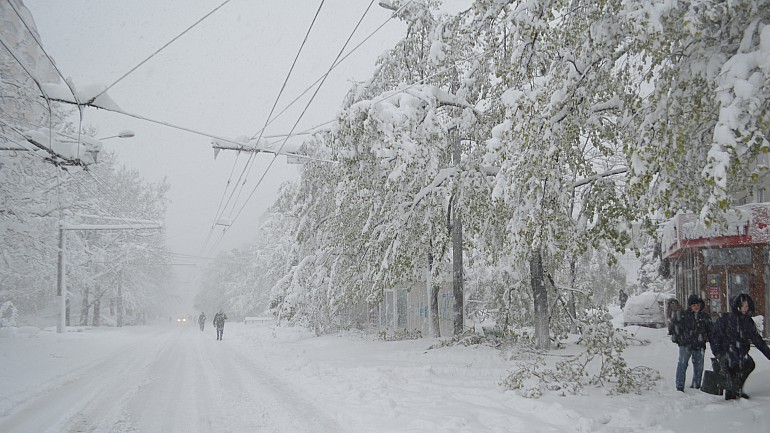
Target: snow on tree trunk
[(97, 313), (84, 307), (435, 325), (540, 294), (457, 245), (571, 296), (120, 304)]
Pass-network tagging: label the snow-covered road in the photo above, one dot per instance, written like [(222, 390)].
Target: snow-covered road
[(262, 378), (168, 379)]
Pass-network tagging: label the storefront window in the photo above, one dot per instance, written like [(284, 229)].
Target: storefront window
[(739, 283), (727, 256)]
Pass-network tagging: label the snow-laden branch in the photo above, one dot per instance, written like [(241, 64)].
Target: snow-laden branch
[(591, 179), (441, 176)]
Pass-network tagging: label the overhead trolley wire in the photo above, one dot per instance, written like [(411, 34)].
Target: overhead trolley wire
[(270, 120), (218, 215), (160, 49), (339, 54), (246, 168), (323, 77), (336, 62), (50, 60), (56, 68)]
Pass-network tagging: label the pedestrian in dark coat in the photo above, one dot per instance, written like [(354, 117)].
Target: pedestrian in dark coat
[(734, 332), (622, 298), (219, 323), (202, 320), (690, 329)]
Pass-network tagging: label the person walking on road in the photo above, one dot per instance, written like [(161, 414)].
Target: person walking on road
[(219, 323), (690, 329), (202, 320), (622, 298), (734, 332)]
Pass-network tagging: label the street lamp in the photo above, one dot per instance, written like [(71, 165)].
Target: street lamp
[(121, 134), (388, 5)]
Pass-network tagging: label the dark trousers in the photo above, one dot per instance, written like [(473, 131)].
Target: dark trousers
[(735, 375), (202, 323), (219, 332)]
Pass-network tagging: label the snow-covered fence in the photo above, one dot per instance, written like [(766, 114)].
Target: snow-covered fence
[(408, 308), (258, 320)]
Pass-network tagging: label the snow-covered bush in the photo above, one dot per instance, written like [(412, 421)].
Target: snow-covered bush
[(7, 314), (401, 334)]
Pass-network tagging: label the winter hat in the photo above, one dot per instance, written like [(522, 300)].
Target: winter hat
[(695, 299)]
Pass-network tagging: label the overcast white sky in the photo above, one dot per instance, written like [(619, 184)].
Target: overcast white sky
[(221, 78)]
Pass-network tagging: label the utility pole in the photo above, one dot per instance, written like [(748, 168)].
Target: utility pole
[(61, 284)]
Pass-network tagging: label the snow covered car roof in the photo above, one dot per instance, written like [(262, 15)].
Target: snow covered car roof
[(645, 309)]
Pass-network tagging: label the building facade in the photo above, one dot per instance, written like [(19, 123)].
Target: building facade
[(720, 263)]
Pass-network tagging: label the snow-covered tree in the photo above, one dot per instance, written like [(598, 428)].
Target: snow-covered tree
[(28, 184), (704, 120)]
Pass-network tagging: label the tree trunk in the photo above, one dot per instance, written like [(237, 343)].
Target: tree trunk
[(571, 297), (97, 320), (84, 307), (457, 270), (434, 310), (120, 303), (435, 324), (457, 241), (540, 294)]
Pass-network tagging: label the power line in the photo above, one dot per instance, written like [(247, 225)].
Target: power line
[(251, 157), (322, 77), (39, 44), (337, 63), (159, 50), (56, 68), (24, 67), (339, 54), (247, 166)]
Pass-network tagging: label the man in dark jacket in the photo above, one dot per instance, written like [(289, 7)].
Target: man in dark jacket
[(690, 329), (219, 323), (202, 320), (622, 298), (733, 334)]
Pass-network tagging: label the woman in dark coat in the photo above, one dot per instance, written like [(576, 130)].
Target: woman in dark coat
[(733, 335)]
